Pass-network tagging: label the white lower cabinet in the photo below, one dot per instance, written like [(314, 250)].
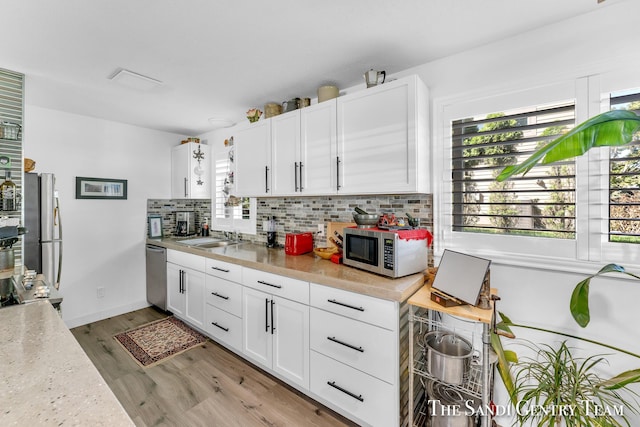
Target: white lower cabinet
[(276, 334), (355, 354), (185, 287), (359, 394), (224, 327), (340, 347), (276, 324), (362, 346), (175, 294), (223, 311)]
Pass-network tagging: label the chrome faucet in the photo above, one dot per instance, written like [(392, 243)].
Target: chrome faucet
[(233, 236)]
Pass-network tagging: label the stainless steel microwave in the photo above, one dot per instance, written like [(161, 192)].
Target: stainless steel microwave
[(384, 252)]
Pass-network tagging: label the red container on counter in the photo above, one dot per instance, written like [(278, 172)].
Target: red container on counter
[(298, 243)]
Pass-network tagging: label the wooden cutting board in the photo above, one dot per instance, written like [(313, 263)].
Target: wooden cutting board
[(336, 226)]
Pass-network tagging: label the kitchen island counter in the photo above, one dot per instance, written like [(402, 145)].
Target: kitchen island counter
[(307, 267), (48, 379)]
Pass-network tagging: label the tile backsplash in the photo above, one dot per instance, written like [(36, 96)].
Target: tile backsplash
[(168, 208), (301, 214)]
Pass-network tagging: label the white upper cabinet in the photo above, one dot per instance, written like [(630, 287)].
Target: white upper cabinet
[(285, 153), (252, 144), (383, 139), (318, 155), (373, 141), (304, 151), (191, 171)]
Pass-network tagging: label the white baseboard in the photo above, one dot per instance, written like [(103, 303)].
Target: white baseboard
[(101, 315)]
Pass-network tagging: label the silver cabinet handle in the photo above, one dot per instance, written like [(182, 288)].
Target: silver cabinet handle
[(338, 173), (266, 179), (219, 296), (220, 269), (186, 182), (295, 175)]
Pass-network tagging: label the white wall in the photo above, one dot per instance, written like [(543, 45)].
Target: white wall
[(532, 292), (103, 239)]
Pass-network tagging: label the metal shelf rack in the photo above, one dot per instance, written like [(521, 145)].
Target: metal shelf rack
[(423, 317)]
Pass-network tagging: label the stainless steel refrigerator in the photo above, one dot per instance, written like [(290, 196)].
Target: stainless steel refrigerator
[(42, 244)]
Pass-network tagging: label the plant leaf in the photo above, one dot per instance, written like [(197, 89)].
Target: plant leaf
[(503, 367), (505, 320), (579, 304), (511, 356), (503, 327), (610, 128), (622, 380), (611, 268)]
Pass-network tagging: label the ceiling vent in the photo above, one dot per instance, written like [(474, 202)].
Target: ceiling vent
[(219, 122), (134, 80)]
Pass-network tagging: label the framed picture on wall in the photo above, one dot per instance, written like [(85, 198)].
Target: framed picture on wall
[(100, 188), (154, 226)]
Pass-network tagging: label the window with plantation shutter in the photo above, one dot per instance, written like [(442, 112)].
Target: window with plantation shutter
[(538, 204), (230, 213), (624, 178)]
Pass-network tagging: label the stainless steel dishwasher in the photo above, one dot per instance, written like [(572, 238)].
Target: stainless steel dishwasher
[(157, 276)]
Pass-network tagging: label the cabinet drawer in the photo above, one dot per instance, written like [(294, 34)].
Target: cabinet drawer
[(225, 270), (184, 259), (224, 327), (359, 394), (356, 306), (224, 294), (285, 287), (360, 345)]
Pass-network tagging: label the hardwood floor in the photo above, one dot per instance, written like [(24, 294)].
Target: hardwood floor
[(205, 386)]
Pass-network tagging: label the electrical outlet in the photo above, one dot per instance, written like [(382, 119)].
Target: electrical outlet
[(101, 292), (321, 229)]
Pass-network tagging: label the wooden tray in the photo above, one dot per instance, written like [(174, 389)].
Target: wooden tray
[(422, 298)]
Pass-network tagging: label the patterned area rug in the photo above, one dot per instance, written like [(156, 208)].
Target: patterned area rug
[(154, 342)]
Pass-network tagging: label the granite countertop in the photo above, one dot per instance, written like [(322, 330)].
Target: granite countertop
[(306, 267), (47, 378)]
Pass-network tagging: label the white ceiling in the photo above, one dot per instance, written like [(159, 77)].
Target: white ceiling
[(218, 58)]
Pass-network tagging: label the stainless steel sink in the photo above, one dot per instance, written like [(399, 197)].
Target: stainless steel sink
[(198, 241), (206, 242), (216, 244)]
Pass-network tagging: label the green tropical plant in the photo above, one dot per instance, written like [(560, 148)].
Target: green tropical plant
[(506, 324), (611, 128), (555, 387), (556, 378)]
